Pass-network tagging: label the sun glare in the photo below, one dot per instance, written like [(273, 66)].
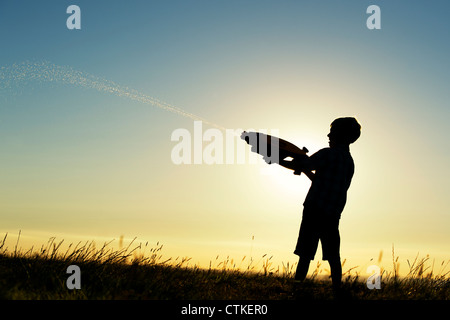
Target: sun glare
[(283, 180)]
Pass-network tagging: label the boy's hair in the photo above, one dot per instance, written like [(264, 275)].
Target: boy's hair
[(346, 129)]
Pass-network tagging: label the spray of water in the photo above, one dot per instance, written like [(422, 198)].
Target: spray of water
[(49, 72)]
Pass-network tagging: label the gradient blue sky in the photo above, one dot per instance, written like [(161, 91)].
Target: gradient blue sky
[(82, 163)]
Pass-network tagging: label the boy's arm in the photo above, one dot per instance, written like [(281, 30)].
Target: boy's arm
[(294, 165), (287, 164), (312, 163)]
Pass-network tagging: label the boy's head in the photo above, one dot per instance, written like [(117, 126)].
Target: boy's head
[(344, 131)]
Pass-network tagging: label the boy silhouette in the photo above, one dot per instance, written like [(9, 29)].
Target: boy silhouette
[(326, 198)]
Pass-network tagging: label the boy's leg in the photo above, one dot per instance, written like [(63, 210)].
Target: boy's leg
[(302, 269), (331, 241), (308, 240), (336, 273)]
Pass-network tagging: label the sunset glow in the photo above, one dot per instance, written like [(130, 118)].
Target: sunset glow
[(86, 119)]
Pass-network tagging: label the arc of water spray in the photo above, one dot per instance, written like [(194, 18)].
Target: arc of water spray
[(49, 72)]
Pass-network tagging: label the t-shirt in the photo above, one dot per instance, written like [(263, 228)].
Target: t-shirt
[(334, 170)]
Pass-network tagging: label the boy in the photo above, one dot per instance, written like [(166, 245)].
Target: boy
[(326, 198)]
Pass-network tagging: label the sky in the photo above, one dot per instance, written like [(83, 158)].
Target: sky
[(80, 162)]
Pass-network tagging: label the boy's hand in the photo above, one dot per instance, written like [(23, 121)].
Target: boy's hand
[(297, 165)]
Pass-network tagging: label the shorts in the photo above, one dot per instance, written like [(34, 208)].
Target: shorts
[(317, 226)]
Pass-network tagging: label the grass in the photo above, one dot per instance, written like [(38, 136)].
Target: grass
[(127, 273)]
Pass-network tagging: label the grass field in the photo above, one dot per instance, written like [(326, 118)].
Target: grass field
[(126, 273)]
